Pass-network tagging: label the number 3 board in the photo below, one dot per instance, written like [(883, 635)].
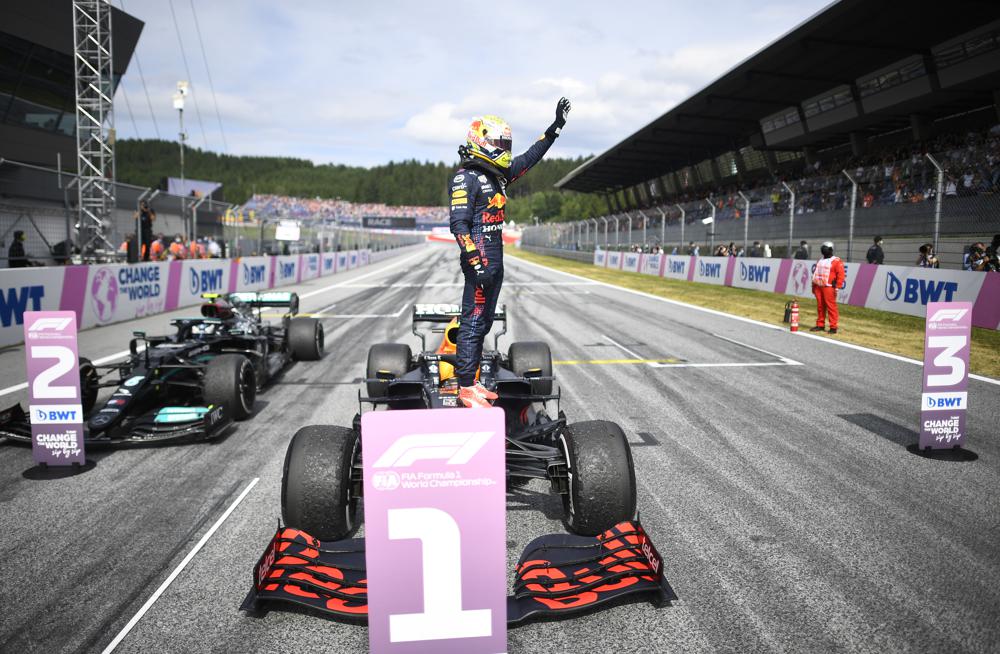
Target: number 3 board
[(946, 374)]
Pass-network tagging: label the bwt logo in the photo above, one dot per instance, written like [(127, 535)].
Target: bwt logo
[(205, 281), (14, 303), (709, 269), (455, 449), (253, 274), (312, 263), (631, 260), (287, 270), (328, 264), (920, 291), (753, 273), (678, 266), (956, 400), (55, 414)]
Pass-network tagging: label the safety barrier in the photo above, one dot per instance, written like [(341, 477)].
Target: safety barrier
[(103, 294), (899, 289)]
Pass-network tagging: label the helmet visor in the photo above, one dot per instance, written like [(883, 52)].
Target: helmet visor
[(504, 144)]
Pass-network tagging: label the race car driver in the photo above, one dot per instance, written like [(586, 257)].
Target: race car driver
[(478, 196), (828, 278)]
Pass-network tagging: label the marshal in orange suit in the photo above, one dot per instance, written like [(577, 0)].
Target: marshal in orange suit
[(828, 277)]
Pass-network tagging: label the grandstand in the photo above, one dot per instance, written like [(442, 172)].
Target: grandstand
[(342, 211), (866, 101)]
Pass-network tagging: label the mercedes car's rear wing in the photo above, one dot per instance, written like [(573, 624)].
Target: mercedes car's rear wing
[(442, 314), (262, 299)]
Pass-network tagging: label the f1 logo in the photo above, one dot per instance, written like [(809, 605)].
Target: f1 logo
[(54, 324), (953, 315), (453, 448)]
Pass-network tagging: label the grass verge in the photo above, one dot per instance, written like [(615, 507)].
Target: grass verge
[(880, 330)]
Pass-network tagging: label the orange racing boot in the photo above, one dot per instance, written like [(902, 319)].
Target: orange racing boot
[(472, 398), (485, 392)]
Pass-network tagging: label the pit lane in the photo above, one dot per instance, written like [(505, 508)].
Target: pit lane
[(789, 513)]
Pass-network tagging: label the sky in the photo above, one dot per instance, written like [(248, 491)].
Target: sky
[(363, 83)]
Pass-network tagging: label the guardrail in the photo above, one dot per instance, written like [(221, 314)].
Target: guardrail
[(899, 289), (102, 294)]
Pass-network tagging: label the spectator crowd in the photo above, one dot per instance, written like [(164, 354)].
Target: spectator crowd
[(283, 206)]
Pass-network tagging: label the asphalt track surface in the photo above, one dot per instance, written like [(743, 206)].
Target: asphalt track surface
[(788, 509)]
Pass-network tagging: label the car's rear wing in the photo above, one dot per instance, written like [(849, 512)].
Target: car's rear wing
[(442, 314), (261, 299)]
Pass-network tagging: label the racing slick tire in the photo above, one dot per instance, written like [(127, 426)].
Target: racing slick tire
[(316, 486), (89, 385), (231, 381), (390, 357), (601, 477), (532, 355), (305, 338)]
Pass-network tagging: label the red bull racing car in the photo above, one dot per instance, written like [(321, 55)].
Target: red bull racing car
[(588, 464), (191, 384)]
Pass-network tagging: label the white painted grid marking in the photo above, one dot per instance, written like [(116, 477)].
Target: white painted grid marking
[(180, 568)]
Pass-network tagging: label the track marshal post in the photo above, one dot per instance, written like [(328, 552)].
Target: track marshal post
[(55, 405), (944, 400), (435, 539)]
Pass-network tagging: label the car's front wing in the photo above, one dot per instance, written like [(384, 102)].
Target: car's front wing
[(557, 575)]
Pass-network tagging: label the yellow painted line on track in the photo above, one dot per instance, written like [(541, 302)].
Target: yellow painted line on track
[(577, 362)]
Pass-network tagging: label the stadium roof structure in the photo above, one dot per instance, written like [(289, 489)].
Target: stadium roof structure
[(813, 88)]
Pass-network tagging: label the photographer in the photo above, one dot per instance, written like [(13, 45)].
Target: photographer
[(146, 217), (976, 258), (993, 265), (16, 256)]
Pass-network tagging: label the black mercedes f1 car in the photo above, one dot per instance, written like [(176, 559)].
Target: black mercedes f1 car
[(194, 383)]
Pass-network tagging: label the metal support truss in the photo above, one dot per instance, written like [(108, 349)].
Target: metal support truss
[(95, 124)]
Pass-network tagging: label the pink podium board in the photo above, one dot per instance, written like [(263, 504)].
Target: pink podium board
[(55, 406), (435, 531), (944, 400)]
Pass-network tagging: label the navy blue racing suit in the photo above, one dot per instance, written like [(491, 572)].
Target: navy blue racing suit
[(478, 196)]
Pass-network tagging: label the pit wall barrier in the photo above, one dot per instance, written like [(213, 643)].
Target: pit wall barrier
[(899, 289), (102, 294)]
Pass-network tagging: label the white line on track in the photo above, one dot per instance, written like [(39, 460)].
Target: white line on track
[(829, 341), (359, 277), (790, 362), (324, 310), (370, 315), (459, 284), (747, 364), (96, 362), (183, 564), (624, 349)]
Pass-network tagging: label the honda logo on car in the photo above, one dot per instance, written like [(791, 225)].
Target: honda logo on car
[(955, 400), (205, 281), (14, 302), (918, 291), (56, 414), (709, 269), (754, 273), (253, 274)]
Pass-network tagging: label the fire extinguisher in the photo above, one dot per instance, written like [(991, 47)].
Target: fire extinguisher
[(788, 312), (794, 310)]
